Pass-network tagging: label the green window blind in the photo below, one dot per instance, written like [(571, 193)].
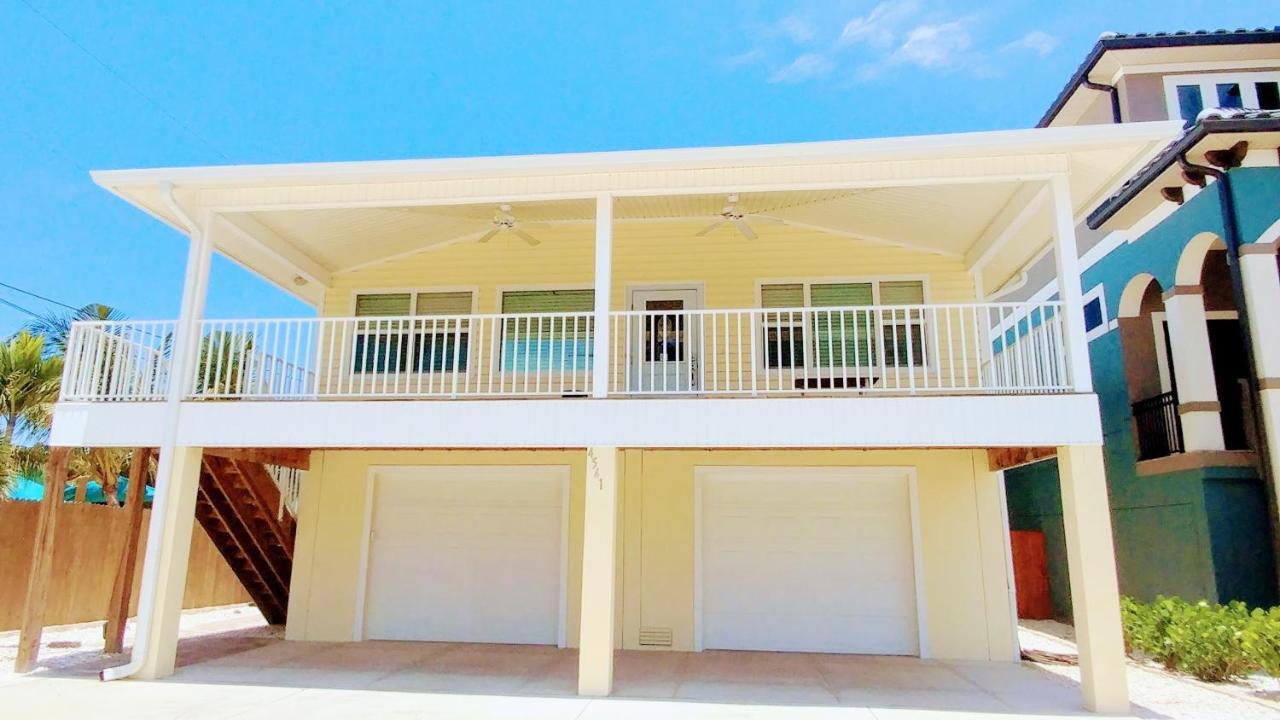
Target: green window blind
[(383, 304), (843, 338), (548, 343), (902, 292), (782, 296), (443, 303), (529, 301)]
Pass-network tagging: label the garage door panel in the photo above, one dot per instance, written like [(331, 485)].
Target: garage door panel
[(467, 555), (808, 559)]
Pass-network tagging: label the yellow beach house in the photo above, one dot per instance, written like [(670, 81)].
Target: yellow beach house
[(751, 398)]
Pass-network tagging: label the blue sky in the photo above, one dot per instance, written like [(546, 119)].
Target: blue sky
[(88, 85)]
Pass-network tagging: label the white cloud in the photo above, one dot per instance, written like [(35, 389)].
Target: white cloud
[(879, 27), (749, 57), (798, 29), (805, 67), (934, 46), (1037, 41)]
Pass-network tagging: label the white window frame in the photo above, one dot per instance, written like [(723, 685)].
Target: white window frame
[(1208, 82), (1098, 293), (413, 293), (807, 283)]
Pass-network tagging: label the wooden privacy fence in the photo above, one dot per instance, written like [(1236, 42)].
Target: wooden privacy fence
[(88, 547)]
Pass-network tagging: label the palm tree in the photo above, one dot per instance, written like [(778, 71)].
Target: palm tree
[(56, 327), (29, 384)]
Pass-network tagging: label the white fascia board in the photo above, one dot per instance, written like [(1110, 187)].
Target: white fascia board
[(860, 422), (1021, 141)]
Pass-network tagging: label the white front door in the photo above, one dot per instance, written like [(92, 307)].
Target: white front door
[(807, 560), (467, 554), (663, 342)]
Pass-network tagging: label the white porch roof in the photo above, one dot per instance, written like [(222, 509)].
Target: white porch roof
[(977, 196)]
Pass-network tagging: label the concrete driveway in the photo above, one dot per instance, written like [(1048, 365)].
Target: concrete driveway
[(386, 679)]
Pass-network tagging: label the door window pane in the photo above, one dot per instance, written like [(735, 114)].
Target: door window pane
[(664, 333), (1189, 103)]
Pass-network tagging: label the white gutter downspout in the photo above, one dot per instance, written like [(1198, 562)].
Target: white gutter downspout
[(195, 284)]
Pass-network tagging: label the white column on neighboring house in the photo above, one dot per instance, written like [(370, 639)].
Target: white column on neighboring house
[(1091, 565), (1069, 293), (1198, 406), (603, 295), (1262, 296), (599, 568), (164, 569)]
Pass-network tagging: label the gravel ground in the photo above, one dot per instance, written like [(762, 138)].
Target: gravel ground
[(206, 634), (1158, 693)]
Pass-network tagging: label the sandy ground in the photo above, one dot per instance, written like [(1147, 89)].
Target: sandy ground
[(206, 633), (1156, 692)]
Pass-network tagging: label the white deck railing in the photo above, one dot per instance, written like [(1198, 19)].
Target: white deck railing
[(994, 348)]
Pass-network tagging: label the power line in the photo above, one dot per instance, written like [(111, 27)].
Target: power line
[(19, 308), (116, 74), (38, 296)]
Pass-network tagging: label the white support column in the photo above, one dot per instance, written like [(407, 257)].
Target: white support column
[(603, 295), (599, 567), (170, 536), (1198, 406), (1091, 564), (1069, 293), (1262, 295), (164, 568)]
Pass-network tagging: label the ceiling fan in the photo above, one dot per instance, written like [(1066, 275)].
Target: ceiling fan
[(504, 221), (738, 219)]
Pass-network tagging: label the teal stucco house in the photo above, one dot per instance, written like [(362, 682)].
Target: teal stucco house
[(1182, 307)]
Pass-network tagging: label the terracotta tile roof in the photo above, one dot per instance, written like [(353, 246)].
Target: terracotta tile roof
[(1133, 41), (1213, 120)]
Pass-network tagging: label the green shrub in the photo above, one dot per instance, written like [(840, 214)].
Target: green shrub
[(1212, 642), (1262, 640)]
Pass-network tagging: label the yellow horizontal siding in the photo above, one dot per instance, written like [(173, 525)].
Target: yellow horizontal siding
[(727, 265)]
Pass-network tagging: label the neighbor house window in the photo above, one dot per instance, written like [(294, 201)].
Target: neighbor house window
[(412, 332), (1095, 313), (551, 332), (1188, 95), (839, 338)]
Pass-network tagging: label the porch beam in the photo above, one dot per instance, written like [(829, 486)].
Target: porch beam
[(296, 458), (122, 586), (599, 568), (1069, 293), (1011, 457), (1026, 202), (603, 295), (249, 229), (41, 572)]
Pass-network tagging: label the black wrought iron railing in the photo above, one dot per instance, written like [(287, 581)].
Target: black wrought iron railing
[(1158, 426)]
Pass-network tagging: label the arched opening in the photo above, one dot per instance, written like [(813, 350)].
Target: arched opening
[(1148, 369), (1226, 347)]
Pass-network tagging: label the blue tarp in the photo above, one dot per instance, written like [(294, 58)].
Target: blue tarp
[(31, 489)]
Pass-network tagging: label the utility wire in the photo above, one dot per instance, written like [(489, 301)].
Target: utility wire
[(38, 296), (19, 308), (118, 76)]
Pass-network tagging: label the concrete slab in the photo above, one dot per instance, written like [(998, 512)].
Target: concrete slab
[(388, 679)]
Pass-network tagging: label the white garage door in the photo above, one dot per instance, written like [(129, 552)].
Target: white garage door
[(807, 559), (466, 554)]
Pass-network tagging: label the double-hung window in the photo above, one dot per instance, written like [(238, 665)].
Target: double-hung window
[(412, 332), (552, 330), (1187, 95), (843, 324)]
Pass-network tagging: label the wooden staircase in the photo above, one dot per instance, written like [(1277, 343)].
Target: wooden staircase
[(238, 506)]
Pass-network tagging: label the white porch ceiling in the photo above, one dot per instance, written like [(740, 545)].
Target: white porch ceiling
[(957, 195)]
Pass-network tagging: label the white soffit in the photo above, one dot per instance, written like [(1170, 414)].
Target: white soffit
[(936, 193)]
